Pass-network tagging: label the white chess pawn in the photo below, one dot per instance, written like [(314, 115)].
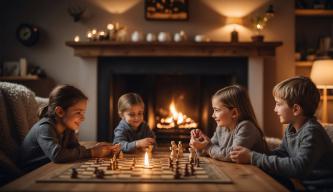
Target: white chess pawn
[(192, 156), (121, 155), (180, 149), (173, 150)]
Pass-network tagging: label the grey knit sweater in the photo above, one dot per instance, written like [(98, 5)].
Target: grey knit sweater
[(43, 144), (245, 134), (306, 155), (127, 135)]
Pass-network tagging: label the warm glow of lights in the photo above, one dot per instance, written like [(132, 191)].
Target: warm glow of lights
[(176, 119), (234, 8), (146, 160), (116, 6), (94, 31), (101, 33), (76, 38), (110, 26), (89, 35)]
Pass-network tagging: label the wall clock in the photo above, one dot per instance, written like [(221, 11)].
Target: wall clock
[(27, 34)]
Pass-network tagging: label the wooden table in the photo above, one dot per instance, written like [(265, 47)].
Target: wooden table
[(245, 178)]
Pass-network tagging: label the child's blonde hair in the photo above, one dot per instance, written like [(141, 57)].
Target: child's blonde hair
[(301, 91), (236, 96), (128, 100)]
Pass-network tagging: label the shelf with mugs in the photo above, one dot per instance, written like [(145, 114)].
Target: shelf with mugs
[(314, 12)]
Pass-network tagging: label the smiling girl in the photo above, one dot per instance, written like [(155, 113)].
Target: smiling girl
[(53, 136), (236, 125)]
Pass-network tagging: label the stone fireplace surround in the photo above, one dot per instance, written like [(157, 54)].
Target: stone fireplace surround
[(91, 52)]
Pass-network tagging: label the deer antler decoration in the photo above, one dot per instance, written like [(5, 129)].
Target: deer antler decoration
[(76, 12)]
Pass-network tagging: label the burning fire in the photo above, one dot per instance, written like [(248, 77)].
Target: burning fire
[(146, 160), (176, 119)]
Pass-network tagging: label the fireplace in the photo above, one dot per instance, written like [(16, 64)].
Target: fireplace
[(106, 62), (186, 82)]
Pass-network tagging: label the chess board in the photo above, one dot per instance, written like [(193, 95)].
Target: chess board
[(158, 172)]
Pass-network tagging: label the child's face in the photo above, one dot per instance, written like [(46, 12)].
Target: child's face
[(74, 115), (223, 116), (283, 110), (134, 115)]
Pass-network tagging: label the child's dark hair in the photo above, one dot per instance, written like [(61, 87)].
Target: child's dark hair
[(63, 96), (301, 91)]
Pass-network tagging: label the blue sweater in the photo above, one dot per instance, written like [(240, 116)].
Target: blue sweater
[(127, 135), (306, 155), (43, 144)]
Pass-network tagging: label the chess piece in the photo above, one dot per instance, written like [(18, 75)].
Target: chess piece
[(180, 149), (198, 162), (170, 164), (192, 169), (186, 172), (177, 175), (100, 174), (96, 170), (173, 150), (150, 151), (74, 173), (121, 155), (133, 162), (192, 156)]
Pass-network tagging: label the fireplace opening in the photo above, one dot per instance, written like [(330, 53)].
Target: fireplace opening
[(176, 91)]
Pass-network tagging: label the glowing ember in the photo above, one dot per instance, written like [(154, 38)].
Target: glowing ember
[(176, 119), (146, 161)]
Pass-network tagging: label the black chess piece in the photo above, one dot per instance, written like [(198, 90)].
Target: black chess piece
[(74, 173), (177, 175), (186, 172), (198, 162), (96, 170), (100, 174), (192, 169)]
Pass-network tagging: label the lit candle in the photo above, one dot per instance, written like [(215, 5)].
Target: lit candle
[(89, 35), (146, 161), (76, 38), (101, 35)]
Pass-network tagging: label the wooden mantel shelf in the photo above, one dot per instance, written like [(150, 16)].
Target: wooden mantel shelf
[(184, 49)]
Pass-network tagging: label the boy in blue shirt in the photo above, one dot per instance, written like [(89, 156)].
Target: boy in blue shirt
[(306, 152)]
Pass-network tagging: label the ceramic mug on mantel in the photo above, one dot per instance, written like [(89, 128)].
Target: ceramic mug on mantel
[(164, 37), (137, 36), (151, 37)]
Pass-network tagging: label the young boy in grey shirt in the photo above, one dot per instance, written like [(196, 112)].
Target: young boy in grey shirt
[(306, 152)]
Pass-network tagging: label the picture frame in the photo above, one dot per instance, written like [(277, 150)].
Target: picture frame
[(166, 10), (11, 68)]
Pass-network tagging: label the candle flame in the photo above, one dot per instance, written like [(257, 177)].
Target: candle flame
[(146, 161)]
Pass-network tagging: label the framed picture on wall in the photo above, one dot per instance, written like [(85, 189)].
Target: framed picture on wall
[(166, 10)]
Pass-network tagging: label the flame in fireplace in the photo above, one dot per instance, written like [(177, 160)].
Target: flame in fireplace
[(176, 119)]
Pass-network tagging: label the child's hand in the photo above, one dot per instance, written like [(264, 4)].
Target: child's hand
[(240, 154), (115, 148), (195, 133), (199, 143), (103, 143), (101, 150), (143, 143)]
